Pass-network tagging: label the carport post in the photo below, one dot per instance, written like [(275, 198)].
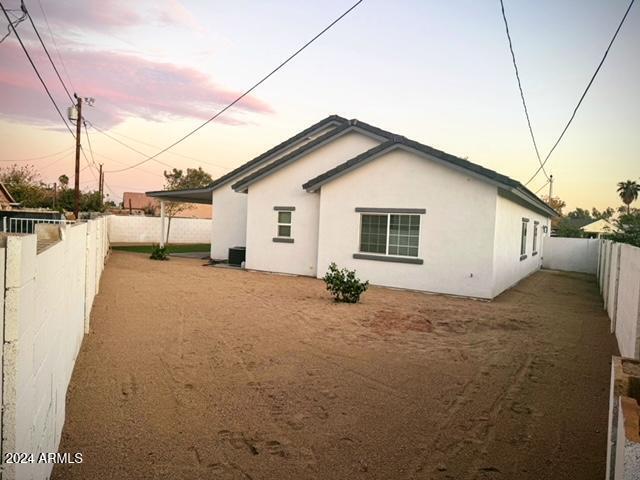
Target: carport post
[(161, 224)]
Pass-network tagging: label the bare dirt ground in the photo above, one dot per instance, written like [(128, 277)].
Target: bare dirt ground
[(195, 372)]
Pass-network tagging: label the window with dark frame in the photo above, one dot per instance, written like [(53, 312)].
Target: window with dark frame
[(390, 234), (535, 238), (284, 224), (523, 239)]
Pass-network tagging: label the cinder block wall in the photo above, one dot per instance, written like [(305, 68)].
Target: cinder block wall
[(48, 298), (619, 281), (139, 229), (571, 254)]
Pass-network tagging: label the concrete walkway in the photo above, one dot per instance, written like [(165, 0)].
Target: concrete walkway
[(193, 372)]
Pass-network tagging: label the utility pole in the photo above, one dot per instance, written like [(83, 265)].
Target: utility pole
[(55, 194), (76, 209), (550, 187), (101, 186)]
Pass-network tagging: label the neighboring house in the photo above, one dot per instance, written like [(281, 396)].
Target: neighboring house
[(6, 200), (399, 212), (139, 204), (598, 228)]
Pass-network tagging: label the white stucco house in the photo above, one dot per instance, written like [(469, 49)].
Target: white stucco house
[(399, 212)]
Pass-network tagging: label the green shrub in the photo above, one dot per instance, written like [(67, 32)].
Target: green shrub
[(344, 285), (159, 253)]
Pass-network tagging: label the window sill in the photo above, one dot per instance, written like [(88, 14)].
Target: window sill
[(522, 257), (282, 240), (534, 254), (387, 258)]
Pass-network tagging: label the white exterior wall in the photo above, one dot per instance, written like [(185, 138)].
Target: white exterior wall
[(456, 233), (284, 188), (145, 230), (229, 217), (571, 254), (508, 269), (229, 221), (47, 300), (627, 312)]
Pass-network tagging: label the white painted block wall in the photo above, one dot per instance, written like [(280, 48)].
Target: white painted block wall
[(284, 188), (146, 230), (456, 232), (571, 254), (508, 268), (48, 296)]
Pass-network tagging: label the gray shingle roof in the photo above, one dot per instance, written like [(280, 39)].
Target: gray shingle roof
[(397, 141), (299, 136), (244, 182)]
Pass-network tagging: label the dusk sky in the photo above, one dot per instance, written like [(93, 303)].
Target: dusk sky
[(437, 72)]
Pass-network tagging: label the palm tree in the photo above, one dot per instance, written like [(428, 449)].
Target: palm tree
[(628, 192)]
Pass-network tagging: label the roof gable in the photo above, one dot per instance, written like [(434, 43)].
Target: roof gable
[(351, 126), (242, 169), (516, 189)]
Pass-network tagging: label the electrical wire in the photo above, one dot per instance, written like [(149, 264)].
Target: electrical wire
[(224, 167), (48, 56), (593, 77), (16, 22), (546, 183), (126, 146), (55, 45), (38, 158), (36, 70), (246, 92), (524, 103)]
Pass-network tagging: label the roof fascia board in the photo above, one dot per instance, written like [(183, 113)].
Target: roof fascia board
[(247, 166), (242, 187), (521, 199)]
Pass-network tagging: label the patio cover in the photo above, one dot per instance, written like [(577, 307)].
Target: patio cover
[(194, 195)]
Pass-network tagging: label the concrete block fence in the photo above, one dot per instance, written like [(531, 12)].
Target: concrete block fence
[(571, 254), (619, 281), (46, 303), (146, 230)]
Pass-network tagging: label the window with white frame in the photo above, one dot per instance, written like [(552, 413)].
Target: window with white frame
[(523, 239), (284, 224), (535, 238), (390, 234)]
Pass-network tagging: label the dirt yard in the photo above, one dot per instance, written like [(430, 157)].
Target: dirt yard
[(194, 372)]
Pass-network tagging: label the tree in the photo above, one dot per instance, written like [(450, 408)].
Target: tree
[(628, 192), (176, 179), (580, 214), (605, 214), (24, 184), (555, 202), (628, 228), (27, 189)]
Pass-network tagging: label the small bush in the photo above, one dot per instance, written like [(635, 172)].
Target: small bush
[(344, 285), (159, 253)]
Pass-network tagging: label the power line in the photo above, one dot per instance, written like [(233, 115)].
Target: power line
[(546, 183), (38, 158), (86, 131), (18, 20), (126, 146), (593, 77), (524, 103), (246, 92), (48, 56), (55, 44), (36, 70), (188, 157)]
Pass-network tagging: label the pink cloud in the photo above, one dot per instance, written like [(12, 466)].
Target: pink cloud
[(112, 15), (124, 85)]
